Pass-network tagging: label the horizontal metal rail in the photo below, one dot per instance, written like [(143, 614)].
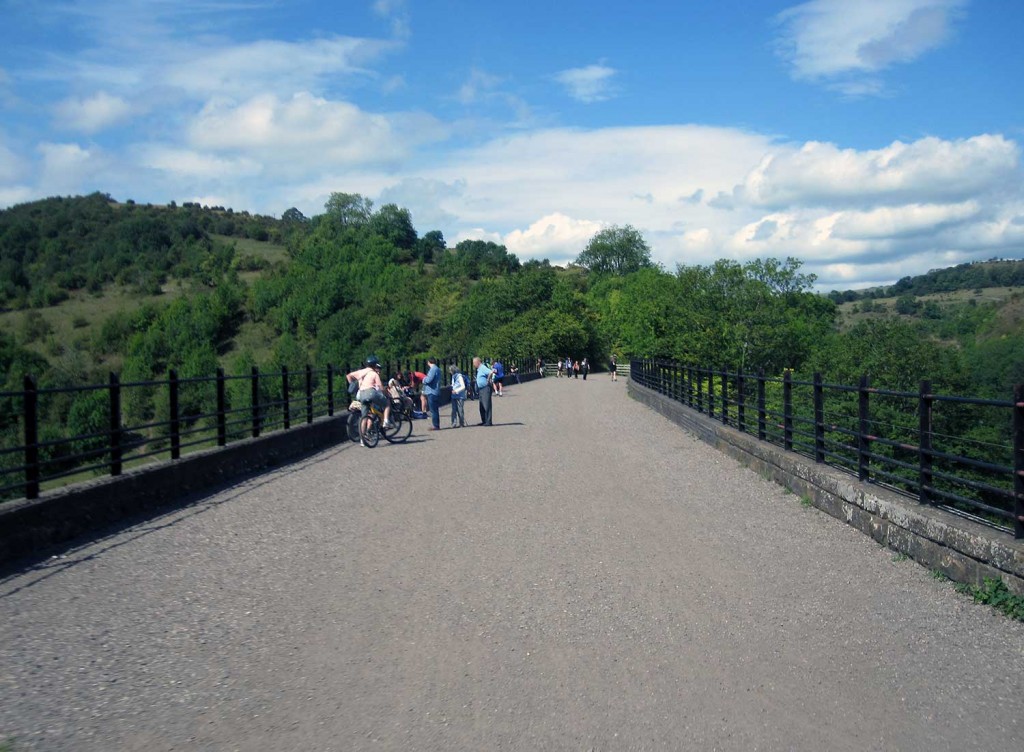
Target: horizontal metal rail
[(136, 420), (791, 412)]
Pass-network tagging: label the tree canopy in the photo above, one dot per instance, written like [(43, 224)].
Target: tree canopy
[(616, 250)]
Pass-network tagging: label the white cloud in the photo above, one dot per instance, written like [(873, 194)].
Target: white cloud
[(902, 221), (927, 170), (92, 114), (306, 133), (184, 162), (847, 42), (556, 237), (12, 166), (397, 13), (242, 70), (592, 83), (480, 84), (65, 168)]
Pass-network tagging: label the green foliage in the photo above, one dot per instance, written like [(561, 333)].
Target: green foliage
[(758, 315), (616, 250), (349, 209), (995, 593), (52, 247)]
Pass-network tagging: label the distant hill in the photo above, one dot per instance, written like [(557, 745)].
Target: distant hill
[(974, 276), (56, 246)]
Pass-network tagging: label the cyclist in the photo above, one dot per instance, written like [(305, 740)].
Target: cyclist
[(371, 390)]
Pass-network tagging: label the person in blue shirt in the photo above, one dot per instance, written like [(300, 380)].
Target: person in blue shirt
[(499, 374), (483, 388), (432, 390)]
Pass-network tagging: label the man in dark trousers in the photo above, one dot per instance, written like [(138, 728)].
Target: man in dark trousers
[(483, 388)]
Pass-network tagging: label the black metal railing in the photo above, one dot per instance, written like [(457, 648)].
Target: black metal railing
[(963, 453), (54, 435)]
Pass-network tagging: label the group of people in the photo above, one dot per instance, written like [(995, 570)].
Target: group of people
[(572, 368), (402, 388)]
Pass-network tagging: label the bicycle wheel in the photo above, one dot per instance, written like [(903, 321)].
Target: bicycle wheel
[(401, 429), (353, 426), (370, 434)]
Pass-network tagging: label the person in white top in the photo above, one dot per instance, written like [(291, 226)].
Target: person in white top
[(371, 390)]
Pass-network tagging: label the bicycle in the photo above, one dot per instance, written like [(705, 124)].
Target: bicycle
[(401, 421), (370, 431)]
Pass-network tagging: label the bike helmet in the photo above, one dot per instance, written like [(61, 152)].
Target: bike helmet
[(372, 362)]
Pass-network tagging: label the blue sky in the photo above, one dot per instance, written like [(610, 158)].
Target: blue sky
[(872, 139)]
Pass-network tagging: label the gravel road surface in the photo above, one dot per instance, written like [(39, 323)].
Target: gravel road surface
[(582, 575)]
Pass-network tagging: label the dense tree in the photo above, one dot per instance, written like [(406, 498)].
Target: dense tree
[(349, 209), (394, 224), (616, 250)]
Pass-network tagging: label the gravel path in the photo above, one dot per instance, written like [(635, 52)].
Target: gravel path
[(583, 575)]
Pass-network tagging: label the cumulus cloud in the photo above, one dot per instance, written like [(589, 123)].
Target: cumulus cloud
[(556, 237), (592, 83), (92, 114), (845, 43)]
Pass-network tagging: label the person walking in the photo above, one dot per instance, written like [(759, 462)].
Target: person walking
[(614, 367), (432, 392), (576, 369), (483, 388), (459, 388), (585, 368), (561, 365)]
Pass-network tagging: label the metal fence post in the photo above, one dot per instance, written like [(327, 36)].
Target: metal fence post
[(741, 403), (762, 428), (254, 378), (330, 389), (175, 422), (700, 391), (1018, 461), (725, 396), (787, 410), (115, 424), (711, 393), (309, 393), (31, 426), (819, 419), (863, 440), (689, 386), (924, 443), (222, 425), (286, 412)]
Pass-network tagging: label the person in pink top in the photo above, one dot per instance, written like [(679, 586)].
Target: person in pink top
[(371, 390)]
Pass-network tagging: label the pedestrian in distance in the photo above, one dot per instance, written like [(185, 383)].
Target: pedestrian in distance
[(483, 388), (432, 393), (561, 367), (417, 382), (613, 366), (498, 377), (585, 368), (576, 369), (540, 367), (459, 388)]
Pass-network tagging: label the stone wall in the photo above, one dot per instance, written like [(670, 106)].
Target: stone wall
[(963, 550)]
